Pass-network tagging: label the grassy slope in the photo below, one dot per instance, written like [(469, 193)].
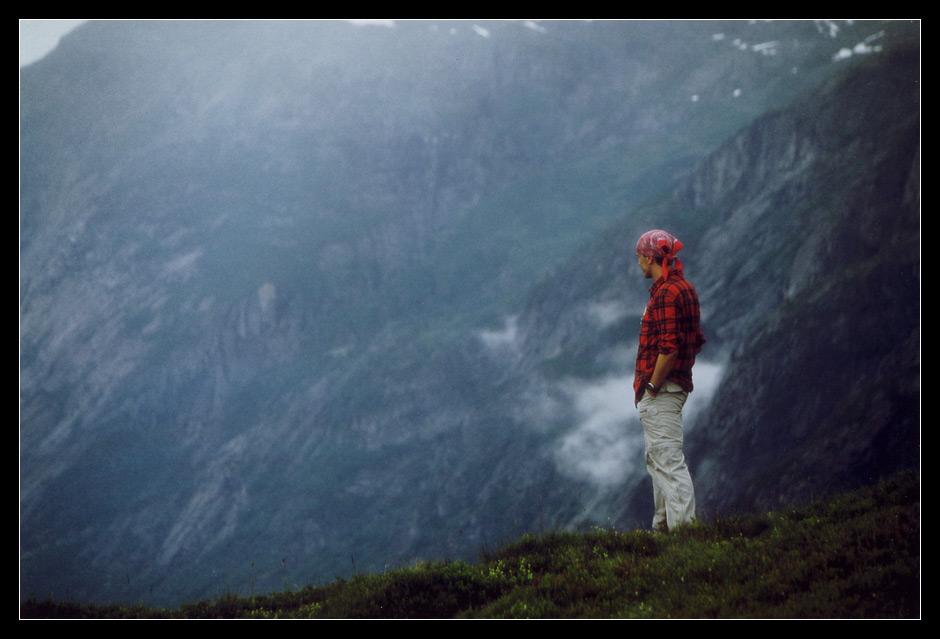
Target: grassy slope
[(856, 555)]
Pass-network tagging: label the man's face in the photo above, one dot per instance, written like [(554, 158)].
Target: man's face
[(645, 265)]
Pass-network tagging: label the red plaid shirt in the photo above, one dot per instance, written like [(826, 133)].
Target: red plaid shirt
[(670, 323)]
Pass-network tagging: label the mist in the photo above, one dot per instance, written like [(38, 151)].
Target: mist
[(605, 445)]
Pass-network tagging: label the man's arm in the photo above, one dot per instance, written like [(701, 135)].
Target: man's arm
[(666, 315), (663, 367)]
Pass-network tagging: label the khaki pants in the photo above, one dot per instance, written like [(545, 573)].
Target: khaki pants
[(673, 495)]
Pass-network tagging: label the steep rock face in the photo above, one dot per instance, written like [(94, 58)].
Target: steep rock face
[(802, 237), (816, 284)]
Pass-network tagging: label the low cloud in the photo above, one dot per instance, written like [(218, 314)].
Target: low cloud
[(506, 337), (605, 445), (607, 313), (706, 376)]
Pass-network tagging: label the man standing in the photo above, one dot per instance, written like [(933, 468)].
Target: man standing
[(670, 338)]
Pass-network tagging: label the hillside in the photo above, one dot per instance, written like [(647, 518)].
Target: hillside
[(853, 556)]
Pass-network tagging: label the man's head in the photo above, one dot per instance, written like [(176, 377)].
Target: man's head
[(656, 252)]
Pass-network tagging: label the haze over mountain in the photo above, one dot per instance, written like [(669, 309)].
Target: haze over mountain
[(301, 299)]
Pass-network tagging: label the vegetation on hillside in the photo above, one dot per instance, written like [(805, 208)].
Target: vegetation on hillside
[(856, 555)]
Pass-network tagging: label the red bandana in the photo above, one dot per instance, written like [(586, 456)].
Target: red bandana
[(661, 244)]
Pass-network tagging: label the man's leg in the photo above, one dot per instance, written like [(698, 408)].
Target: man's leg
[(673, 494)]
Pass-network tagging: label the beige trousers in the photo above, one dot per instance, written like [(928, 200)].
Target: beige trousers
[(673, 495)]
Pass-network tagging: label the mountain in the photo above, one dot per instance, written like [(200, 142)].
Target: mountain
[(804, 242), (304, 299), (834, 362)]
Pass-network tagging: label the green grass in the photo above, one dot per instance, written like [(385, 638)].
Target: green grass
[(853, 556)]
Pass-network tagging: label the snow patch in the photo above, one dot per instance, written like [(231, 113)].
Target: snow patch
[(531, 24), (827, 27), (862, 48), (766, 48), (377, 23)]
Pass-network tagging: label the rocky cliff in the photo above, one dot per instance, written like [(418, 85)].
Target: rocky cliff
[(823, 236), (802, 237)]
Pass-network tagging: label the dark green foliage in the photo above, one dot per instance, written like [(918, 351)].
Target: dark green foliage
[(854, 556)]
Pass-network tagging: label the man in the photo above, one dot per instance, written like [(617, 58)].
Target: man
[(670, 338)]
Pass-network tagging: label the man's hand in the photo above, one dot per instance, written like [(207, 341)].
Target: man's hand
[(663, 367)]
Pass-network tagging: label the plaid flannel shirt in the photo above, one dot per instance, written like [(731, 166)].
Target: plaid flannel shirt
[(670, 323)]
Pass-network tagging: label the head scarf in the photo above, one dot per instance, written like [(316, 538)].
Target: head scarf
[(661, 244)]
